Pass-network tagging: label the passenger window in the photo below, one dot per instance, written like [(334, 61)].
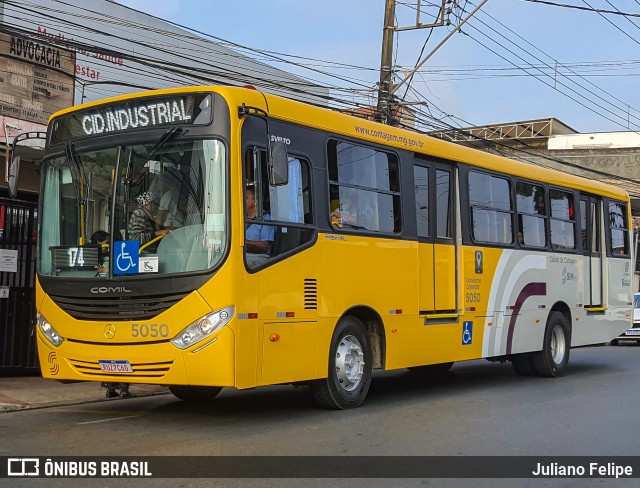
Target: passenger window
[(532, 231), (562, 220), (618, 229), (364, 188), (491, 211)]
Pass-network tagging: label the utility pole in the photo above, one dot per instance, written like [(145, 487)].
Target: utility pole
[(386, 88), (386, 62)]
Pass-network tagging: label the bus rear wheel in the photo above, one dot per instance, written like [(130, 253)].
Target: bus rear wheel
[(552, 361), (350, 366), (195, 393)]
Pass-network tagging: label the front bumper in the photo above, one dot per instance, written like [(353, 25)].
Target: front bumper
[(210, 363)]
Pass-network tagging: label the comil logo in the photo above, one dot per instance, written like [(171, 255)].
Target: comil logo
[(23, 467), (110, 289)]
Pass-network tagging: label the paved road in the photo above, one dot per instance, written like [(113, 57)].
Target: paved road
[(479, 408)]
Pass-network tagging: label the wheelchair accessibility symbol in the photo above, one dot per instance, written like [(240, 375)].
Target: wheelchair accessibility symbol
[(467, 333), (126, 257)]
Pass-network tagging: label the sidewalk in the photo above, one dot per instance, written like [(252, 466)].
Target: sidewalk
[(30, 392)]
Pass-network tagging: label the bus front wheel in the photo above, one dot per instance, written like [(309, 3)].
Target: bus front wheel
[(350, 366), (552, 360), (195, 393)]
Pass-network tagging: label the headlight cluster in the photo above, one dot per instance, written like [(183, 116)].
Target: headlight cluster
[(48, 331), (203, 328)]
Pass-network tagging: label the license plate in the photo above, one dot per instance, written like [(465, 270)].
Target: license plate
[(633, 332), (115, 367)]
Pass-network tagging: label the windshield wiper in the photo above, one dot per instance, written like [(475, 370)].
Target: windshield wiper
[(74, 161), (165, 138)]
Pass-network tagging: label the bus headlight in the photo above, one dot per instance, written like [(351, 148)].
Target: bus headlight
[(203, 328), (48, 331)]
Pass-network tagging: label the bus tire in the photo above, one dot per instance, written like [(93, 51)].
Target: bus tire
[(195, 393), (552, 361), (350, 366), (432, 369), (522, 364)]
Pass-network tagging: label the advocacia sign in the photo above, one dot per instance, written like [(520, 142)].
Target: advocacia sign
[(36, 79)]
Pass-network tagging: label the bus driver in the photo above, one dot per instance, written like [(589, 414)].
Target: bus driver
[(258, 238)]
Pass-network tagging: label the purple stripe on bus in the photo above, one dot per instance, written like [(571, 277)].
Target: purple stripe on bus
[(530, 290)]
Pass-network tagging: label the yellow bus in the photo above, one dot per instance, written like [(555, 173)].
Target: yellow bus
[(212, 237)]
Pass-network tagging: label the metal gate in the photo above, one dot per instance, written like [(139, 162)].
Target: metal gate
[(18, 224)]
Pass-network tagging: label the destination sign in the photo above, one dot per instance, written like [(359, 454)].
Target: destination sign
[(144, 113)]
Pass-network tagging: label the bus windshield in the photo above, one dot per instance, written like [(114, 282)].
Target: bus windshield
[(153, 208)]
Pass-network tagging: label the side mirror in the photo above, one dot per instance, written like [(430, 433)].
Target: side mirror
[(278, 164), (14, 170)]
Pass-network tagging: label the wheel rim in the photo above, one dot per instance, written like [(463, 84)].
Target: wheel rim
[(558, 345), (349, 363)]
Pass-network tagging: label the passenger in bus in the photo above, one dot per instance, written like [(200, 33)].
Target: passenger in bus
[(142, 224), (345, 212), (339, 216), (258, 238), (169, 217), (355, 210)]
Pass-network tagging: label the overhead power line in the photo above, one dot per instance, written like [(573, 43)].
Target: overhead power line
[(609, 107), (588, 9), (210, 73)]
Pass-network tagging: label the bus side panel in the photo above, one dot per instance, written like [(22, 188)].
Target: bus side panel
[(378, 274), (508, 290), (525, 287), (617, 315), (417, 343), (426, 279), (288, 318), (288, 352), (444, 258)]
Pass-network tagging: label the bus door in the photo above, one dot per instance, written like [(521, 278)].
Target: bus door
[(436, 250), (591, 225)]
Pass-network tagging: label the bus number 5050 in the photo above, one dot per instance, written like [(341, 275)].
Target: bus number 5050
[(473, 297), (149, 330)]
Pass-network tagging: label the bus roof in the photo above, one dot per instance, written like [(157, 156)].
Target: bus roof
[(347, 125)]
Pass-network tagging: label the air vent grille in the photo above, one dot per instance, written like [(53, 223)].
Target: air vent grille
[(310, 294), (140, 370), (117, 308)]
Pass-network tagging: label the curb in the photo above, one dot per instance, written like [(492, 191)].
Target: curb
[(8, 405)]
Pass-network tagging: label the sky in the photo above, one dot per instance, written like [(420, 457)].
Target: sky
[(586, 64)]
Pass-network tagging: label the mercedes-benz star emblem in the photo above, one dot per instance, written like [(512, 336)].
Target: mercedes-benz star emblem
[(109, 331)]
